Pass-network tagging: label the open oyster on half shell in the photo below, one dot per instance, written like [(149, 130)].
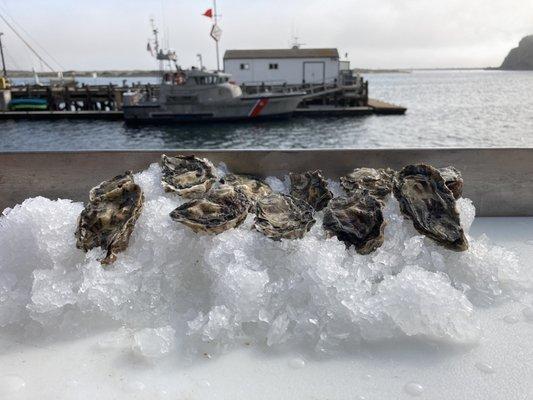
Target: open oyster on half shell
[(280, 216), (189, 176), (356, 220), (378, 182), (224, 207), (429, 203), (109, 218), (312, 188), (251, 186)]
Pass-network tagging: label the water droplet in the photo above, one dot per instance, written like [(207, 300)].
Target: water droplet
[(414, 388), (361, 398), (367, 377), (528, 313), (204, 384), (484, 367), (10, 384), (511, 319), (297, 363), (135, 386)]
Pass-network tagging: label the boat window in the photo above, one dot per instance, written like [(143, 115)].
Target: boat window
[(273, 66), (245, 66)]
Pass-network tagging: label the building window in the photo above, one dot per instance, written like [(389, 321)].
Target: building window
[(273, 66), (245, 66)]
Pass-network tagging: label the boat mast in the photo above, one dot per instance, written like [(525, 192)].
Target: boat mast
[(2, 55), (216, 41)]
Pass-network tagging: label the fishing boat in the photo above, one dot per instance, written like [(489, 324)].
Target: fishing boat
[(199, 95)]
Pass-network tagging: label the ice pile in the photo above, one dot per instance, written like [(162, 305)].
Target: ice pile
[(177, 289)]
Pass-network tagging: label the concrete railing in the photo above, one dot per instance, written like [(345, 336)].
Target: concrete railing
[(499, 181)]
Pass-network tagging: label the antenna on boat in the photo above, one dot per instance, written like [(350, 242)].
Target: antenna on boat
[(2, 56), (160, 55)]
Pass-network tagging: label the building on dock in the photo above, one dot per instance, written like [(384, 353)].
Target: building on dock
[(294, 66)]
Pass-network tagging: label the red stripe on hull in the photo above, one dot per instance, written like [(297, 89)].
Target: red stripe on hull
[(258, 107)]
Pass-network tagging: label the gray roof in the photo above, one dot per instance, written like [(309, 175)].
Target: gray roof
[(281, 53)]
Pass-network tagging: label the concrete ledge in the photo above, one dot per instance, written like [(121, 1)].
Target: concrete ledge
[(499, 181)]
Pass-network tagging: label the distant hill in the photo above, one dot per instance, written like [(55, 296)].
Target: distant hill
[(521, 57)]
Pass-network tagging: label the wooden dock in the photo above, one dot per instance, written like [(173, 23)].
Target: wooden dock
[(373, 107), (383, 108), (58, 115), (332, 111)]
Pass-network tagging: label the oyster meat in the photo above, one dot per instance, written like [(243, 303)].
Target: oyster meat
[(378, 182), (280, 216), (252, 187), (356, 220), (453, 179), (312, 188), (224, 207), (109, 218), (188, 176), (427, 201)]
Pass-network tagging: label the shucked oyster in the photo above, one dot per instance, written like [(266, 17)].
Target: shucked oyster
[(312, 188), (188, 176), (356, 220), (109, 218), (251, 186), (425, 199), (280, 216), (224, 207), (453, 179), (378, 182)]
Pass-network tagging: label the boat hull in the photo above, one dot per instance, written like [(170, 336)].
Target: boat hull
[(240, 109)]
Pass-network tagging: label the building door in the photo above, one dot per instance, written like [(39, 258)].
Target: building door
[(314, 72)]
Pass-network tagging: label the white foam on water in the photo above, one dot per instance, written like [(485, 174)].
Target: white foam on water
[(174, 289)]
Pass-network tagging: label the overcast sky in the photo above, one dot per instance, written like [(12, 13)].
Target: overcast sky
[(112, 34)]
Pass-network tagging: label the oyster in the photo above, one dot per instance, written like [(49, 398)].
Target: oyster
[(356, 220), (188, 176), (109, 218), (378, 182), (224, 207), (312, 188), (280, 216), (252, 187), (427, 201), (453, 179)]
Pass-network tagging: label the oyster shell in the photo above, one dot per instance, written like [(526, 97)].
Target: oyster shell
[(280, 216), (252, 187), (356, 220), (427, 201), (378, 182), (109, 218), (224, 207), (188, 176), (312, 188), (453, 179)]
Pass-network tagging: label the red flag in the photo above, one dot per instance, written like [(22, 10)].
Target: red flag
[(208, 13)]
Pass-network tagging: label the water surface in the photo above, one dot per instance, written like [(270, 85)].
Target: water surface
[(445, 109)]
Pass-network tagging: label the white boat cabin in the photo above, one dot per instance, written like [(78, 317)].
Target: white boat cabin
[(293, 66)]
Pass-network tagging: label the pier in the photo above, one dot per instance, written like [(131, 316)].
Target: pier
[(104, 102)]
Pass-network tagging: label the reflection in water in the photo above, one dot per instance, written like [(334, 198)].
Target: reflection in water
[(445, 108)]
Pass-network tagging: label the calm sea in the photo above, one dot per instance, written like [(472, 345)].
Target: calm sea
[(445, 109)]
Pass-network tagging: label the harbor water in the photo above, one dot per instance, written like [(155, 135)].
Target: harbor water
[(445, 109)]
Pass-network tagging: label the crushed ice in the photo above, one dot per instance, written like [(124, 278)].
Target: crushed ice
[(175, 289)]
